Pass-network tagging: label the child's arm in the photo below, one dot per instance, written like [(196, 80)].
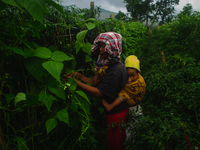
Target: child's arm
[(108, 106)]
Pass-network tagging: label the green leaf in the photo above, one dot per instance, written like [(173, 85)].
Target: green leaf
[(49, 101), (87, 48), (74, 63), (52, 48), (90, 25), (34, 66), (74, 104), (22, 145), (35, 44), (78, 45), (84, 105), (82, 94), (46, 99), (50, 124), (36, 33), (55, 5), (88, 58), (58, 91), (63, 116), (81, 15), (60, 56), (11, 2), (32, 99), (19, 97), (54, 68), (36, 8), (72, 83), (17, 50), (101, 110), (42, 52), (42, 96), (9, 97), (81, 35), (92, 19)]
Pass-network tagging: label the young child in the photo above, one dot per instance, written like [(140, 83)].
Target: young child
[(134, 90)]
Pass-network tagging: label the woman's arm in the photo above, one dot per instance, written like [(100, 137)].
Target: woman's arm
[(86, 80), (92, 90)]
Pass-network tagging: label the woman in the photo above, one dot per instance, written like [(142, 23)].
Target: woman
[(109, 47)]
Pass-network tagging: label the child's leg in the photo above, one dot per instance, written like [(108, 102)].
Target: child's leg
[(108, 106)]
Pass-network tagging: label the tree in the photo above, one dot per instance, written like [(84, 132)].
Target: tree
[(121, 16), (151, 10), (187, 10)]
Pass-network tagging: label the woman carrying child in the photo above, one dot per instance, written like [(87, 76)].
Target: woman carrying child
[(134, 90), (109, 47)]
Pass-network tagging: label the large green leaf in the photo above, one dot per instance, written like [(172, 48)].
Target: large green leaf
[(17, 50), (74, 104), (60, 56), (9, 97), (84, 105), (55, 5), (58, 91), (92, 19), (78, 45), (87, 48), (72, 83), (63, 116), (54, 68), (49, 101), (52, 48), (81, 35), (11, 2), (19, 97), (46, 99), (36, 8), (42, 52), (82, 94), (50, 124), (34, 66), (90, 25), (42, 96), (88, 58)]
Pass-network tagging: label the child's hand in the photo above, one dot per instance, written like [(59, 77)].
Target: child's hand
[(107, 106)]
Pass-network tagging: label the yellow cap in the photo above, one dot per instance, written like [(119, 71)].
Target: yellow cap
[(132, 62)]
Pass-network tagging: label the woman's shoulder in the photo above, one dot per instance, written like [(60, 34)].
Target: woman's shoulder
[(118, 70), (118, 66)]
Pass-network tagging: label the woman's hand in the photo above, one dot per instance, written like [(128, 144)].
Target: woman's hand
[(76, 75), (66, 78)]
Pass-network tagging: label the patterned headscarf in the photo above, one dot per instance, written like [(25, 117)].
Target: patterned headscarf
[(113, 47)]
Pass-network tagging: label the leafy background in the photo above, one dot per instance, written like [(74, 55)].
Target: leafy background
[(39, 110)]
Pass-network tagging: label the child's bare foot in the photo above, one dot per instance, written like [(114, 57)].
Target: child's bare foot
[(107, 105)]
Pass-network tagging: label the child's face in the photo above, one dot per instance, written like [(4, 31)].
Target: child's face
[(132, 75)]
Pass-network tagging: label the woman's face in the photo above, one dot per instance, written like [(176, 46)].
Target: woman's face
[(102, 50), (132, 75)]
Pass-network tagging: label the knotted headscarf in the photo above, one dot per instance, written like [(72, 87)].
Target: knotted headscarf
[(113, 47)]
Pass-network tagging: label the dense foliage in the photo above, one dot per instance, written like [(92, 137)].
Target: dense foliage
[(171, 69), (161, 11), (39, 110)]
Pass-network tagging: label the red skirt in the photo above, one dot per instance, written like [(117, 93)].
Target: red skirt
[(116, 133)]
